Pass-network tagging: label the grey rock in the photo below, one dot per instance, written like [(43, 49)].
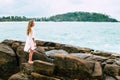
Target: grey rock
[(109, 78), (19, 76), (81, 55), (52, 53)]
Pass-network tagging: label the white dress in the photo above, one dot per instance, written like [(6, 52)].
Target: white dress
[(29, 42)]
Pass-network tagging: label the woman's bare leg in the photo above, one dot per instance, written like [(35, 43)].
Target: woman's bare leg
[(30, 56)]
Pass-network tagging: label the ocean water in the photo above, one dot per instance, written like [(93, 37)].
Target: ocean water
[(104, 36)]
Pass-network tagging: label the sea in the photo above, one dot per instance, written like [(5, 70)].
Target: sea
[(103, 36)]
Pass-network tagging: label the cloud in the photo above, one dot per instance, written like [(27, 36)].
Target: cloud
[(6, 2), (42, 8)]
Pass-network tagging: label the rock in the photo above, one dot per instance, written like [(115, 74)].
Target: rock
[(51, 48), (43, 67), (101, 53), (40, 49), (58, 46), (81, 55), (40, 43), (113, 56), (74, 49), (118, 77), (85, 50), (109, 78), (8, 42), (70, 49), (8, 64), (27, 68), (97, 58), (110, 61), (45, 43), (46, 48), (23, 56), (19, 76), (37, 76), (23, 44), (15, 45), (53, 62), (41, 56), (52, 53), (51, 44), (72, 67), (97, 70), (1, 79), (112, 70), (117, 61), (7, 50)]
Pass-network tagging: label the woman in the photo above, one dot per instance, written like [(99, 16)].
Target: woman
[(30, 44)]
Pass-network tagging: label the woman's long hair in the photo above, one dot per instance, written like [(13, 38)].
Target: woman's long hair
[(30, 25)]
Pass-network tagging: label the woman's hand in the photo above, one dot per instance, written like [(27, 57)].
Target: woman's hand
[(35, 44)]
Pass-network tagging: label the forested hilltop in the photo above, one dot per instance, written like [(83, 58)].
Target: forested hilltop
[(82, 16), (71, 16)]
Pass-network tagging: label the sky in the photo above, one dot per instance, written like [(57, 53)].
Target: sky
[(47, 8)]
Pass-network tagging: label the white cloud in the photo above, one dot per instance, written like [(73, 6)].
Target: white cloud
[(39, 8), (6, 2)]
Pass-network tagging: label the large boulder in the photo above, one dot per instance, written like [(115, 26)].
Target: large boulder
[(15, 45), (23, 56), (112, 70), (8, 42), (32, 76), (43, 67), (73, 67), (19, 76), (36, 76), (26, 68), (8, 63)]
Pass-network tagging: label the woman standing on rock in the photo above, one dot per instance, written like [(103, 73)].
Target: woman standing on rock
[(30, 44)]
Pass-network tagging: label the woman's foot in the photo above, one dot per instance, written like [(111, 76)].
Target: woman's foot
[(30, 62)]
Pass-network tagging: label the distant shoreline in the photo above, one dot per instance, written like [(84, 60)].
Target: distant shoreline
[(71, 17)]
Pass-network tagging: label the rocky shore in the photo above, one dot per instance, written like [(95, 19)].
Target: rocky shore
[(55, 61)]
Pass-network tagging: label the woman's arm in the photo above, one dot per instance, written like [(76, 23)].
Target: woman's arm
[(34, 41), (33, 37)]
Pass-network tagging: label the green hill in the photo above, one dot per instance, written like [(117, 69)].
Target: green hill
[(82, 16), (71, 16)]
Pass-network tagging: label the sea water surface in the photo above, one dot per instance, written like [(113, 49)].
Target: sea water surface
[(104, 36)]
